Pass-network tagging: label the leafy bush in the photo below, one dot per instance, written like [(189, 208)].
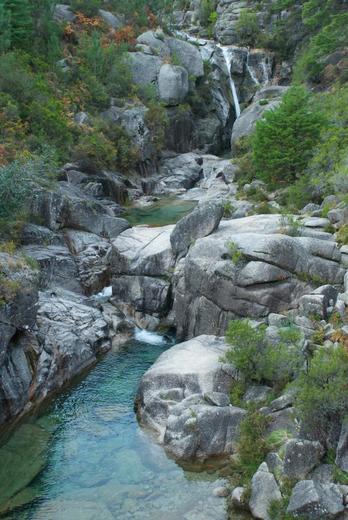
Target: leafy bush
[(323, 388), (105, 146), (261, 361), (206, 8), (284, 140), (332, 37), (247, 28), (234, 252), (252, 446), (157, 121), (18, 182)]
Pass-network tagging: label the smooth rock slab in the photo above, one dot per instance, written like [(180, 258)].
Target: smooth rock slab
[(172, 399), (142, 250), (201, 222)]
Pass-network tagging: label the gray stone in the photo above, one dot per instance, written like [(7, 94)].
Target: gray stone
[(144, 294), (245, 124), (145, 68), (264, 490), (188, 56), (316, 501), (237, 498), (323, 474), (57, 265), (116, 22), (71, 334), (173, 84), (257, 393), (342, 448), (278, 320), (142, 251), (266, 277), (69, 207), (188, 426), (63, 13), (217, 398), (201, 222), (301, 456)]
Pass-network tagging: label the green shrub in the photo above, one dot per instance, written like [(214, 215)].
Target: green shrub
[(284, 140), (247, 28), (342, 235), (95, 151), (157, 121), (290, 225), (87, 7), (252, 446), (206, 8), (322, 399), (260, 361), (332, 37), (105, 147), (234, 252), (18, 182)]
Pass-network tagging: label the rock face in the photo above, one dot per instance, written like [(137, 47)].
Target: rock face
[(316, 501), (17, 319), (141, 261), (264, 490), (175, 398), (248, 268), (173, 84), (201, 222), (71, 334), (265, 99), (342, 448), (69, 207)]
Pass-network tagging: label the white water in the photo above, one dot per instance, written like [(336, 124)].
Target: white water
[(228, 60), (152, 338)]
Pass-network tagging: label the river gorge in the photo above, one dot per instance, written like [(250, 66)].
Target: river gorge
[(173, 326)]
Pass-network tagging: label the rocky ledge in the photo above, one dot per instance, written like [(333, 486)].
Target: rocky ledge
[(184, 398)]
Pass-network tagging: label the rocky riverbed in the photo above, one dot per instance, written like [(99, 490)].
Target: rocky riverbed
[(180, 246)]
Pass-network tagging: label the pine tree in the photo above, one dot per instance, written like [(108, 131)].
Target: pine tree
[(284, 140), (5, 28), (21, 21)]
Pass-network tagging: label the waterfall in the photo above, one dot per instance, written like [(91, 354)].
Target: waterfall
[(228, 60), (152, 338)]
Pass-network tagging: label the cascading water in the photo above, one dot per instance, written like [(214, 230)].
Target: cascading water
[(228, 60)]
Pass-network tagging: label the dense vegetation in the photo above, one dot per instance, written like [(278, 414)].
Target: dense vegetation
[(303, 144), (51, 70)]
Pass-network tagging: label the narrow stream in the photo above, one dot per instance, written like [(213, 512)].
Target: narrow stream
[(97, 463)]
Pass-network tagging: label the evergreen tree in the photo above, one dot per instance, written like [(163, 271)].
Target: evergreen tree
[(21, 21), (285, 139), (5, 28)]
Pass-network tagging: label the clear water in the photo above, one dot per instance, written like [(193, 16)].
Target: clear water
[(102, 466), (161, 213)]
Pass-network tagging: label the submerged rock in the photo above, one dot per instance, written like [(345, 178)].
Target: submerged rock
[(22, 459)]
